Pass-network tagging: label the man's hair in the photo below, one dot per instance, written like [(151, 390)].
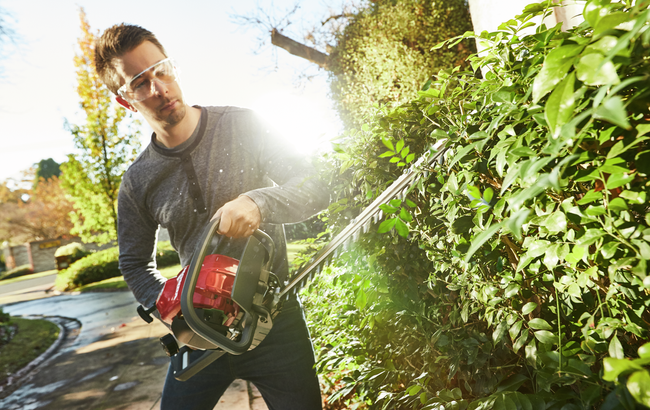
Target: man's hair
[(114, 43)]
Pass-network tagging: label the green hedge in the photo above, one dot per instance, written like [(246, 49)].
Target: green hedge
[(104, 264), (513, 274), (17, 271)]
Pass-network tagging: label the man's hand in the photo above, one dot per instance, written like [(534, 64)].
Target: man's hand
[(239, 217)]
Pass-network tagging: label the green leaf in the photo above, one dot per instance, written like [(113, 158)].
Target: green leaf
[(634, 197), (401, 228), (546, 337), (617, 180), (617, 205), (515, 329), (616, 349), (613, 111), (512, 383), (413, 390), (387, 143), (556, 222), (644, 351), (481, 238), (590, 196), (488, 194), (362, 299), (531, 352), (638, 384), (511, 290), (387, 225), (556, 65), (521, 341), (405, 215), (613, 367), (399, 145), (473, 192), (590, 236), (642, 129), (388, 209), (539, 324), (560, 105), (515, 222), (593, 69), (603, 46), (609, 21), (593, 12), (528, 307), (609, 249)]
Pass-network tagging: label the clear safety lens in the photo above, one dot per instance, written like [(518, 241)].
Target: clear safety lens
[(141, 86)]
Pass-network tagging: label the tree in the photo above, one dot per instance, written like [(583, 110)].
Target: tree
[(31, 215), (105, 145), (7, 34), (46, 169), (383, 50)]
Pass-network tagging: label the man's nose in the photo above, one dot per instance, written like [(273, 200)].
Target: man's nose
[(158, 87)]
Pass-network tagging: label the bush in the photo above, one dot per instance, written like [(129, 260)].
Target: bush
[(166, 255), (385, 52), (93, 268), (104, 264), (514, 275), (17, 271), (74, 251)]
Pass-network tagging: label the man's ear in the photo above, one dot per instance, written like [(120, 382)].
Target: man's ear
[(124, 103)]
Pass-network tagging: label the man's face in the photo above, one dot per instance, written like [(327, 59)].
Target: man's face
[(166, 106)]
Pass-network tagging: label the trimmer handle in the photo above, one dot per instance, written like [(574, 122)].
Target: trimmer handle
[(145, 313), (248, 273)]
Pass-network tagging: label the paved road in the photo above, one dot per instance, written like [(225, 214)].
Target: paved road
[(114, 361), (28, 284)]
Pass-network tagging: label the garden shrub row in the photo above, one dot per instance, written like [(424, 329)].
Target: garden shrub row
[(17, 272), (104, 264), (514, 273)]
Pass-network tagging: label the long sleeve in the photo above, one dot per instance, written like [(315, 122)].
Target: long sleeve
[(137, 240)]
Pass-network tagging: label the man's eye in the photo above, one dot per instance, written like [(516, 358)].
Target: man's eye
[(163, 73), (139, 85)]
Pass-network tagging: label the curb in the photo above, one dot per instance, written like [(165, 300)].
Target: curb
[(67, 327)]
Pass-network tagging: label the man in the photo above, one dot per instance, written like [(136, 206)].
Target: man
[(203, 163)]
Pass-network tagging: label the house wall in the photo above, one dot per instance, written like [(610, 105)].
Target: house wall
[(488, 15), (40, 254)]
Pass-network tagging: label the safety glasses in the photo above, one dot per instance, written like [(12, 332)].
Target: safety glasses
[(141, 86)]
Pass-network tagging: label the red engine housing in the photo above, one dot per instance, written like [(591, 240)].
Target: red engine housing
[(213, 288)]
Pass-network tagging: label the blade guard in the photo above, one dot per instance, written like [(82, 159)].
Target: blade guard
[(248, 290)]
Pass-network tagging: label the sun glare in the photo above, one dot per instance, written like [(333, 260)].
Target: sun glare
[(307, 125)]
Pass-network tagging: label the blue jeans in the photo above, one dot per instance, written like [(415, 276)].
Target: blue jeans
[(281, 367)]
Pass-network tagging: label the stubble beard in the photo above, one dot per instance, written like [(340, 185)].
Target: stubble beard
[(175, 116)]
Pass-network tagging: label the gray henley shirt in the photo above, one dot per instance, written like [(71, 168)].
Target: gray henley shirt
[(230, 153)]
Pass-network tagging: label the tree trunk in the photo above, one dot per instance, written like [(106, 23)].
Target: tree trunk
[(298, 49)]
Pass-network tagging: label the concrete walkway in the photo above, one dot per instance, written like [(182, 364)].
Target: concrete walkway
[(109, 358)]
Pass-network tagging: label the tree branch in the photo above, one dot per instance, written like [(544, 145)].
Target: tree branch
[(299, 49)]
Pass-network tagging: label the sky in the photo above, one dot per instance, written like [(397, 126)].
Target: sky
[(218, 62)]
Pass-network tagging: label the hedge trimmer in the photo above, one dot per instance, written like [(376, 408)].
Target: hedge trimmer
[(222, 305)]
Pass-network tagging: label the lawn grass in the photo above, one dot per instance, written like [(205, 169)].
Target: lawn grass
[(32, 338), (32, 276), (293, 249)]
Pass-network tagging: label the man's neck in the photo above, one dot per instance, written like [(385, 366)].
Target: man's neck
[(177, 134)]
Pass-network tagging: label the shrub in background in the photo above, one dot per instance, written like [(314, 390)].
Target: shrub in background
[(104, 264), (385, 53), (16, 272), (513, 275)]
